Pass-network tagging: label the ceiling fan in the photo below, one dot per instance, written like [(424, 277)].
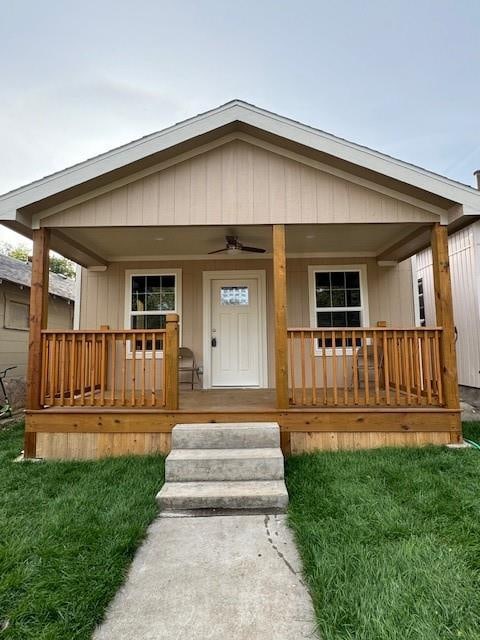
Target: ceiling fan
[(233, 245)]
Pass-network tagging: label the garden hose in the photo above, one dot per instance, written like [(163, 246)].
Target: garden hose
[(473, 444)]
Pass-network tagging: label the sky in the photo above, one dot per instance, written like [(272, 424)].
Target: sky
[(79, 78)]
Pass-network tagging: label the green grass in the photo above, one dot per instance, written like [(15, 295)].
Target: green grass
[(471, 430), (68, 531), (390, 541)]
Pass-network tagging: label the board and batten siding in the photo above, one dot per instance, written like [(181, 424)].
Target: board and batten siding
[(237, 183), (464, 256), (103, 295)]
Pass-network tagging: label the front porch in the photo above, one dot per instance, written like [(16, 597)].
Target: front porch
[(103, 391)]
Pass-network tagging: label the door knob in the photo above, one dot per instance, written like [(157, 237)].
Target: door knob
[(214, 342)]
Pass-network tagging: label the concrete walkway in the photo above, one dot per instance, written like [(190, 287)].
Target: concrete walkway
[(213, 578)]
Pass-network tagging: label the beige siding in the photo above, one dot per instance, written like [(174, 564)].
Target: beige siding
[(103, 295), (14, 342), (464, 250), (238, 183)]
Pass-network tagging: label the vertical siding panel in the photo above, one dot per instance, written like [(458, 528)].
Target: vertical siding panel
[(308, 194), (214, 187), (324, 193), (150, 200), (341, 209), (198, 180), (244, 154), (277, 186), (119, 206), (293, 200), (260, 187), (135, 202), (182, 193), (166, 196), (229, 183)]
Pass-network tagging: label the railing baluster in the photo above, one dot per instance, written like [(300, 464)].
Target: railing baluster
[(103, 357), (366, 374), (113, 375), (438, 372), (355, 367), (376, 377), (134, 366), (153, 373), (324, 370), (406, 362), (124, 369), (334, 369), (143, 367), (93, 359), (386, 368), (43, 380), (291, 350), (313, 371), (396, 367), (345, 371), (427, 367), (53, 373), (73, 366)]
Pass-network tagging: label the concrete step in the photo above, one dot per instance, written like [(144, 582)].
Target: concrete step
[(182, 496), (190, 465), (226, 435)]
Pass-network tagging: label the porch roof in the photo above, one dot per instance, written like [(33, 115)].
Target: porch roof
[(133, 244)]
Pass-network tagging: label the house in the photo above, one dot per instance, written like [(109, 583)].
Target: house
[(464, 258), (278, 254), (15, 277)]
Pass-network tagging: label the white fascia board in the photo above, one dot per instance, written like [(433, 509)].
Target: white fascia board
[(251, 115)]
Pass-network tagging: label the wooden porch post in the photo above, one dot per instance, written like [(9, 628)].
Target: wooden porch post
[(38, 321), (170, 353), (444, 318), (280, 304)]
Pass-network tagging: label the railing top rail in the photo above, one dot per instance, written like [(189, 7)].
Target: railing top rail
[(102, 331), (359, 329)]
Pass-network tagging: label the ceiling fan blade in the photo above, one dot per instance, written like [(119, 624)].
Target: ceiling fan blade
[(252, 249), (217, 251)]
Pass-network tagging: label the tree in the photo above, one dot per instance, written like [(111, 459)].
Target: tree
[(58, 264)]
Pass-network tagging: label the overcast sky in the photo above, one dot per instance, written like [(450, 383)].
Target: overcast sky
[(79, 78)]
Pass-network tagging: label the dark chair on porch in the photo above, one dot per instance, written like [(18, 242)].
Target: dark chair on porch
[(187, 365)]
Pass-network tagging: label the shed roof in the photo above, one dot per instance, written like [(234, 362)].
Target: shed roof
[(20, 272)]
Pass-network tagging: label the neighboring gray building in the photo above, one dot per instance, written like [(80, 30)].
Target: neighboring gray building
[(14, 313)]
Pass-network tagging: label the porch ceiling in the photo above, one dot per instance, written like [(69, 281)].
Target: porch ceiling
[(157, 243)]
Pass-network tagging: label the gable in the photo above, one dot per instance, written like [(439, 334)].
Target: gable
[(240, 182)]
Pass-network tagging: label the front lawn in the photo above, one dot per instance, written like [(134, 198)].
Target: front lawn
[(390, 541), (68, 531)]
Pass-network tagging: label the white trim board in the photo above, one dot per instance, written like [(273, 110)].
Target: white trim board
[(260, 276)]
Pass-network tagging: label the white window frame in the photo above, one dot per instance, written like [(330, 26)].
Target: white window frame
[(129, 274), (364, 311)]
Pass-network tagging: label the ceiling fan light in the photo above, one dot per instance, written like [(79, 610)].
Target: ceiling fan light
[(233, 250)]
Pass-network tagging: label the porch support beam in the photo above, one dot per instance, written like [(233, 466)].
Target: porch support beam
[(38, 321), (170, 353), (280, 305), (444, 319)]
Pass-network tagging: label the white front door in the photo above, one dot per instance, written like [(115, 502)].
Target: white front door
[(235, 333)]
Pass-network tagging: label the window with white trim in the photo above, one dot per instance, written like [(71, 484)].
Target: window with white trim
[(337, 300), (150, 297)]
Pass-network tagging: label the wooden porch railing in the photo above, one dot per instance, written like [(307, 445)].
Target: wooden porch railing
[(115, 368), (365, 367)]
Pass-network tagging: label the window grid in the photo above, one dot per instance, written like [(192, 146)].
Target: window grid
[(338, 302)]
